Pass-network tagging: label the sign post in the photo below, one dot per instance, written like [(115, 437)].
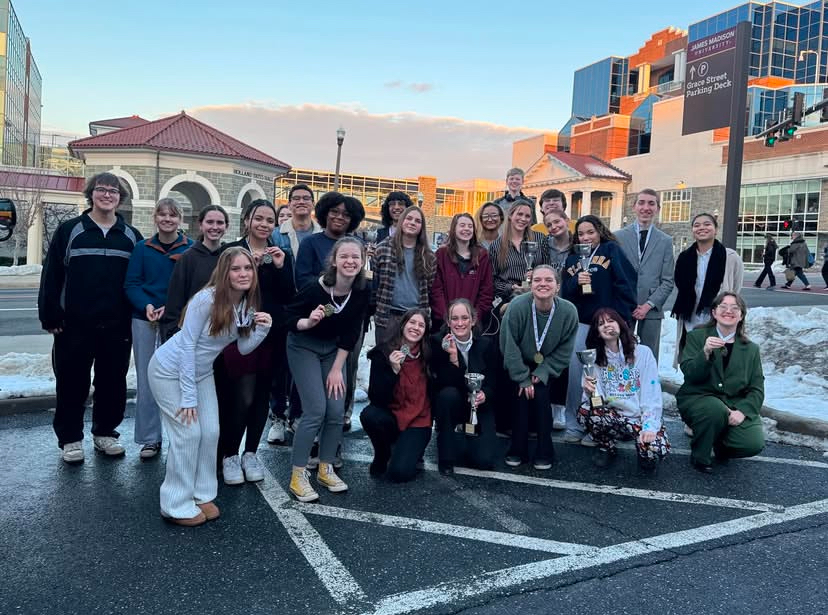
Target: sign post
[(715, 96)]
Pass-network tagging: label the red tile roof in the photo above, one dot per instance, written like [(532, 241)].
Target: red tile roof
[(178, 133), (35, 181), (121, 122), (589, 166)]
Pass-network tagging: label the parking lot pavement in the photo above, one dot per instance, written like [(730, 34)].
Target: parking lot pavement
[(89, 538)]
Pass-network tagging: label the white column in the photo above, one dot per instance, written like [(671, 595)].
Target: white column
[(679, 65), (34, 240), (586, 203), (616, 211)]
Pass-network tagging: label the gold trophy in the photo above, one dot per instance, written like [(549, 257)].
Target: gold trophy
[(587, 359), (584, 252), (474, 382)]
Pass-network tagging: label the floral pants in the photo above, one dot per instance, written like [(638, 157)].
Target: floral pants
[(606, 425)]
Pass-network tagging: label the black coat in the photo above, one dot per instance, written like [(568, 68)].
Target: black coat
[(483, 359), (382, 380)]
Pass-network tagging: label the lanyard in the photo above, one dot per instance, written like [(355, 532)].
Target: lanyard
[(539, 342), (338, 307)]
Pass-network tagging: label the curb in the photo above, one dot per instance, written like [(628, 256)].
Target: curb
[(43, 403), (785, 421)]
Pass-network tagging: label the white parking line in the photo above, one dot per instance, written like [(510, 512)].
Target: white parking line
[(342, 586), (447, 529), (407, 602)]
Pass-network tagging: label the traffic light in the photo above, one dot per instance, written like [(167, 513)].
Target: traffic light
[(797, 109), (786, 225), (790, 129), (771, 140)]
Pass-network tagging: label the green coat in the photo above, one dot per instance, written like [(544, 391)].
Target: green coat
[(741, 387)]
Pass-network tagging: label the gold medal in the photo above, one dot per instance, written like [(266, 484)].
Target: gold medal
[(538, 358), (329, 310)]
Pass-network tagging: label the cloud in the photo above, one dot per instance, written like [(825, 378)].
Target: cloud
[(401, 144), (419, 88), (391, 85)]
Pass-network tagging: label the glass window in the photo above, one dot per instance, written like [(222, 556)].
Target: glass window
[(675, 205)]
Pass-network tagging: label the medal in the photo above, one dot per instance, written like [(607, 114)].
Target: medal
[(538, 358), (405, 350), (267, 259), (329, 310), (446, 344)]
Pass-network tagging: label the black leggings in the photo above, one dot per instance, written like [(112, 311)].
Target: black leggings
[(398, 450), (538, 407), (243, 405), (451, 408)]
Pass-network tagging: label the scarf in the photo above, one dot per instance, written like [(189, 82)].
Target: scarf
[(686, 269)]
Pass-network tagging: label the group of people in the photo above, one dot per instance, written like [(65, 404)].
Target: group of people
[(511, 327)]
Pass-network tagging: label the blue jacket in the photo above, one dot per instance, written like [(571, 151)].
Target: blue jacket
[(149, 270), (614, 283), (312, 257)]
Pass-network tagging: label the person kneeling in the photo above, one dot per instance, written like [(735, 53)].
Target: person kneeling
[(627, 381), (398, 418), (724, 386), (537, 339), (462, 355)]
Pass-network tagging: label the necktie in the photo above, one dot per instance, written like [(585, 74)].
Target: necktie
[(642, 242)]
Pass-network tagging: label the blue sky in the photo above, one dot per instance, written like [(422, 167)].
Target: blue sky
[(498, 63)]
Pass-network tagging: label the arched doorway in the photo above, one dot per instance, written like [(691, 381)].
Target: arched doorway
[(193, 198)]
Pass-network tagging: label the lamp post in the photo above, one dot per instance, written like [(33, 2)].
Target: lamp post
[(802, 55), (340, 137)]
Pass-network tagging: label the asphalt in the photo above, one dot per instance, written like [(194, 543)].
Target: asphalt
[(88, 539)]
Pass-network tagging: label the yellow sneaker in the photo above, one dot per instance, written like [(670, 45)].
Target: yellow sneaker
[(300, 486), (328, 478)]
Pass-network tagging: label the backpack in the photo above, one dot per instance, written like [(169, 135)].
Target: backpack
[(811, 259)]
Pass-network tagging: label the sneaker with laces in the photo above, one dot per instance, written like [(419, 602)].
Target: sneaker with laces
[(513, 461), (588, 441), (148, 451), (300, 486), (232, 471), (108, 446), (559, 417), (276, 434), (328, 478), (252, 468), (73, 452)]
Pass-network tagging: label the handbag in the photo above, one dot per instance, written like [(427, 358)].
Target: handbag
[(789, 275)]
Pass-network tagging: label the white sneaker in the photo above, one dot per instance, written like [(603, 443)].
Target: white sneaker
[(73, 452), (253, 469), (231, 469), (276, 434), (558, 416), (108, 445), (588, 441)]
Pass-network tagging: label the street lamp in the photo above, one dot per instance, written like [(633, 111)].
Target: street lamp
[(802, 55), (340, 137)]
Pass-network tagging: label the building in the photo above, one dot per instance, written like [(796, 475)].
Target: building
[(21, 94), (54, 155)]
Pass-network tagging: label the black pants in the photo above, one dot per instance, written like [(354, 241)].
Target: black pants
[(825, 272), (541, 410), (242, 407), (282, 390), (766, 272), (398, 450), (75, 351), (452, 408)]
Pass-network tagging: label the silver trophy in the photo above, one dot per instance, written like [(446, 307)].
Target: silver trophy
[(584, 252), (587, 359), (369, 236), (529, 249), (474, 382)]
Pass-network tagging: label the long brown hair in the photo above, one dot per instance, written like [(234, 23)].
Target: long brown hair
[(222, 316), (423, 256), (397, 340), (329, 274), (626, 338), (506, 235), (451, 245)]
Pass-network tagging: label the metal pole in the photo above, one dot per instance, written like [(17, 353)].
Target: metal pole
[(340, 138), (736, 143)]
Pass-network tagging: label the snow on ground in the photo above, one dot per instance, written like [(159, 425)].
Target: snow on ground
[(21, 270), (794, 347)]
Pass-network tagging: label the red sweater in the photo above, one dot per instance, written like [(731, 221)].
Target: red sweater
[(410, 403), (477, 285)]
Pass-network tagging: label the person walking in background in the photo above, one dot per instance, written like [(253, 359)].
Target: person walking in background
[(398, 417), (324, 323), (724, 386), (650, 251), (404, 271), (463, 271), (799, 258), (147, 279), (181, 379), (193, 270), (613, 284), (392, 207), (825, 265), (488, 221), (768, 257), (703, 270), (82, 303)]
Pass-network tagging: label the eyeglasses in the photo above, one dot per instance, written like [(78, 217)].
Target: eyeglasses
[(109, 191), (490, 217), (301, 199), (339, 213), (729, 308)]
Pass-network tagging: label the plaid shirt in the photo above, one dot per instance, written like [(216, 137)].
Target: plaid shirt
[(385, 273)]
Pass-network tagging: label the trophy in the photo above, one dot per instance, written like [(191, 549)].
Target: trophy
[(529, 250), (369, 236), (474, 382), (587, 359), (584, 252)]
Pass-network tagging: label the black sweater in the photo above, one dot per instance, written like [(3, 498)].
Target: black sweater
[(344, 327), (482, 360), (190, 274)]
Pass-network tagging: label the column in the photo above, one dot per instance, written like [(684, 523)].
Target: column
[(586, 203), (679, 65), (616, 211), (34, 238)]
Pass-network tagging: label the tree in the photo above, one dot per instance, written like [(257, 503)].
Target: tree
[(30, 205)]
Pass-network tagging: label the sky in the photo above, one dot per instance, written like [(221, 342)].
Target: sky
[(434, 88)]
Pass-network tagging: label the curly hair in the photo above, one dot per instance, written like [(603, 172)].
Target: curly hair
[(385, 212)]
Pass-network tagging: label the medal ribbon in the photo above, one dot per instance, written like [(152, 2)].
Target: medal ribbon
[(539, 342)]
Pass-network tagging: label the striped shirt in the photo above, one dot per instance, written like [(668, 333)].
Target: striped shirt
[(513, 270)]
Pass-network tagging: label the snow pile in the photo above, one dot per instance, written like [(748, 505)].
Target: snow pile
[(21, 270), (794, 348), (364, 369), (30, 375)]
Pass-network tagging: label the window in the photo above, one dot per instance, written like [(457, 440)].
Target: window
[(675, 205)]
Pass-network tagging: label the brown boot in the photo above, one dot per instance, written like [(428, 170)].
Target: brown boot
[(199, 519), (210, 510)]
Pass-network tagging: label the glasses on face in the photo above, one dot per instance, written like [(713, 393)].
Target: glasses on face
[(490, 217), (109, 191), (339, 213), (729, 307), (301, 199)]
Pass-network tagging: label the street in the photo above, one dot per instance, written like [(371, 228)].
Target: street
[(89, 538)]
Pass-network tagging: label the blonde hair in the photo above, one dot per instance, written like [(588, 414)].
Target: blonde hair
[(222, 315)]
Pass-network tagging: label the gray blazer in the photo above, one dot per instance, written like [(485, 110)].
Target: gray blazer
[(655, 270)]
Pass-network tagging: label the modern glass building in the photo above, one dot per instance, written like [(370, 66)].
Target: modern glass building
[(597, 88), (20, 94)]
